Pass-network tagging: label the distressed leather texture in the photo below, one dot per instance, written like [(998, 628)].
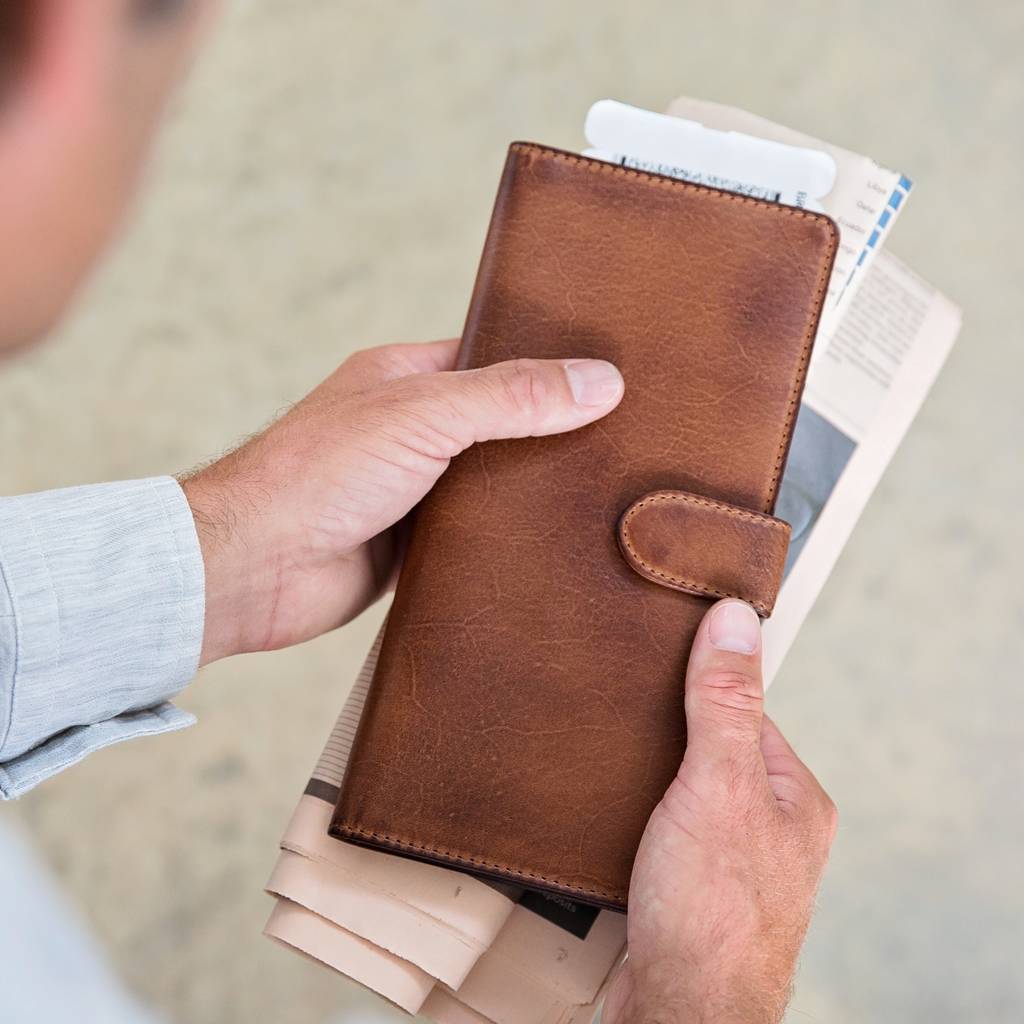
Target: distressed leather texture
[(707, 548), (526, 714)]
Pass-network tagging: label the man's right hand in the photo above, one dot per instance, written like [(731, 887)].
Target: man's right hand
[(724, 882)]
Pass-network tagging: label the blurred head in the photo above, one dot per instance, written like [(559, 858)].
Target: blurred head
[(82, 87)]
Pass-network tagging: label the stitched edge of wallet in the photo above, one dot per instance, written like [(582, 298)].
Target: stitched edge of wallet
[(341, 829), (702, 589), (675, 184)]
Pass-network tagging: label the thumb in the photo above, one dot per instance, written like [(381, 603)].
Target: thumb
[(724, 695), (522, 398)]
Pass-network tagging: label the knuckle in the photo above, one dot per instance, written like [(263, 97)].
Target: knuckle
[(365, 359), (821, 821), (734, 692), (378, 364), (830, 818), (523, 387), (425, 419)]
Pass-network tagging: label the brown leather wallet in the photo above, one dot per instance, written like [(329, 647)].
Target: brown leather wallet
[(526, 714)]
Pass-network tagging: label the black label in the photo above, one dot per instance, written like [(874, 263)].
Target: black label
[(575, 918)]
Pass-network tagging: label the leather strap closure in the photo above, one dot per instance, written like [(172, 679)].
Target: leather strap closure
[(705, 547)]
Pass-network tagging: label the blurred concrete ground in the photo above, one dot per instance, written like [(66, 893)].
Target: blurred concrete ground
[(325, 185)]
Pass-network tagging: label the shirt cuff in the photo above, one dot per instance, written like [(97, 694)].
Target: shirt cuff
[(101, 621), (23, 773)]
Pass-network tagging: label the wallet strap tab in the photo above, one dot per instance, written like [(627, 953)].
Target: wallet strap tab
[(705, 547)]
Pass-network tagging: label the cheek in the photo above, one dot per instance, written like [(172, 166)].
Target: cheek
[(92, 199), (57, 218)]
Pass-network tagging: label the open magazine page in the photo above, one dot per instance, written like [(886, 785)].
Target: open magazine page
[(860, 400)]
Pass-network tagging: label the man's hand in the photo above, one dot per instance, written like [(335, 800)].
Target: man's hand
[(725, 878), (296, 525)]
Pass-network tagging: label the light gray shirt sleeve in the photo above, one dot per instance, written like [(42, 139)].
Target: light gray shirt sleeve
[(101, 621)]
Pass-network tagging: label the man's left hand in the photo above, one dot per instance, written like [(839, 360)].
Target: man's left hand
[(297, 525)]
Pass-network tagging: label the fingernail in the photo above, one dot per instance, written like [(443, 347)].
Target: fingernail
[(734, 627), (593, 381)]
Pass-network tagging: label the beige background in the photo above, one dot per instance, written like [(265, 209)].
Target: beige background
[(324, 185)]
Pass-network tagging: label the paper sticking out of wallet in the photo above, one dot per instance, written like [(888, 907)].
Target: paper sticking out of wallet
[(723, 147), (734, 161), (883, 352)]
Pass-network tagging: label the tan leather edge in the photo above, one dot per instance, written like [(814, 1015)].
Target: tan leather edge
[(608, 899), (771, 538)]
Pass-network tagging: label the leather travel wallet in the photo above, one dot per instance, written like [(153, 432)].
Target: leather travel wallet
[(526, 714)]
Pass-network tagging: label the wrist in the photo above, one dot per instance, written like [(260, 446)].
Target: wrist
[(640, 997), (239, 581), (680, 992)]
